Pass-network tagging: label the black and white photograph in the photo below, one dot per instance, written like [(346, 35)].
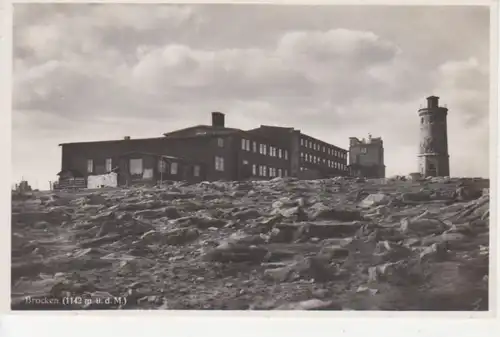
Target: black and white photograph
[(249, 157)]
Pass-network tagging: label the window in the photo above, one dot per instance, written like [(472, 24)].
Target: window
[(245, 162), (286, 173), (302, 155), (280, 153), (136, 166), (324, 150), (245, 144), (219, 164), (220, 142), (162, 166), (302, 142), (271, 151), (173, 168), (90, 166), (254, 169), (279, 172), (263, 149), (271, 172), (363, 150), (286, 154), (109, 165), (264, 170), (254, 144), (196, 170), (261, 170)]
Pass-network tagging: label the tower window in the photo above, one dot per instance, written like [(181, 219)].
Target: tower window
[(422, 120)]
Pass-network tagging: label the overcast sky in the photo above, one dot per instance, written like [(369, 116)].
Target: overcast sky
[(98, 72)]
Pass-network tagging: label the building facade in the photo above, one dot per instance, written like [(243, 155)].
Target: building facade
[(433, 158), (207, 152), (366, 157), (310, 158)]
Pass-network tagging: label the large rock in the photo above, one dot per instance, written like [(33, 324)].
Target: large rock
[(373, 200), (467, 193), (422, 226), (319, 212), (236, 253)]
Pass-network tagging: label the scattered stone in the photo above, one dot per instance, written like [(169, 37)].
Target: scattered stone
[(284, 244)]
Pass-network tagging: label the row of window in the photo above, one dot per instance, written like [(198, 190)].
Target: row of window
[(263, 149), (340, 167), (317, 160), (325, 149), (265, 171), (136, 167)]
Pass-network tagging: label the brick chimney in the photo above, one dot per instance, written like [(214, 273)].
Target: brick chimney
[(218, 119)]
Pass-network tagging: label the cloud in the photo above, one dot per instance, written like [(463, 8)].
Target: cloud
[(332, 65), (333, 73)]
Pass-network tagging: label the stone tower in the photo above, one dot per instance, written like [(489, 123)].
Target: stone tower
[(433, 158), (366, 157)]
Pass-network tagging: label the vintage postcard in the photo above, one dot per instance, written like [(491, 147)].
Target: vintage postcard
[(252, 157)]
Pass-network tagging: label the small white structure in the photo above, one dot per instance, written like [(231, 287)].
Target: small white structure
[(103, 180)]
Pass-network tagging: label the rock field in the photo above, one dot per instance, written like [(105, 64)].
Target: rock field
[(283, 244)]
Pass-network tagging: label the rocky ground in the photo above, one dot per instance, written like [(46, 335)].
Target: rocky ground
[(284, 244)]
